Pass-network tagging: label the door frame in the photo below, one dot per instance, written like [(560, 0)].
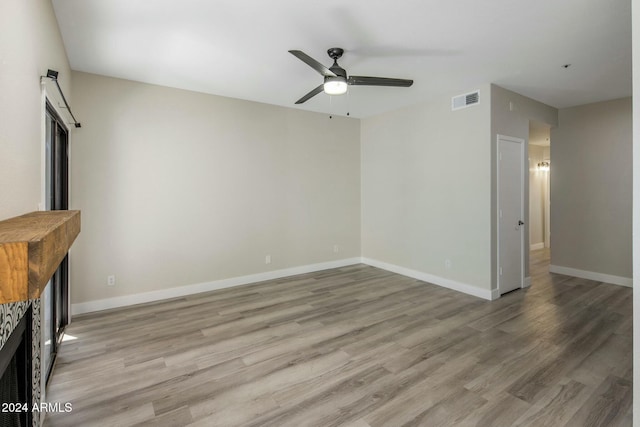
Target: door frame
[(525, 226), (547, 208), (59, 304)]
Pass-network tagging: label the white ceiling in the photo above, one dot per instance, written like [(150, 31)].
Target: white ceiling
[(239, 48)]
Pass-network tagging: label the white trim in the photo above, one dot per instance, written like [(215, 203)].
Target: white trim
[(527, 282), (46, 96), (536, 246), (591, 275), (547, 209), (43, 149), (159, 295), (522, 142), (55, 104), (127, 300), (436, 280)]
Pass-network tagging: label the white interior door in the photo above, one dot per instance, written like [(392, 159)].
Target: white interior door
[(510, 213)]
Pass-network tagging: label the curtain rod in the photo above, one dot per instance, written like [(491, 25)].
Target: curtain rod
[(53, 75)]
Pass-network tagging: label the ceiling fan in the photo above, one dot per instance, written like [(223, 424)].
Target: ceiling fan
[(336, 79)]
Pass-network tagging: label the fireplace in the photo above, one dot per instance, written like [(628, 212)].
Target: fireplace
[(16, 375)]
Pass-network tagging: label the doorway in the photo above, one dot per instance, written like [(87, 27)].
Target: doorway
[(55, 298), (539, 152), (510, 179)]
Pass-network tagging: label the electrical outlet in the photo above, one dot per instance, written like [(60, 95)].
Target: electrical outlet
[(111, 280), (267, 259), (336, 249)]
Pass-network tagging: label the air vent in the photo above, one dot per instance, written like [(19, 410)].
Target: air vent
[(466, 100)]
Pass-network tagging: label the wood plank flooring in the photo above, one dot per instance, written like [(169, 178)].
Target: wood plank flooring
[(359, 347)]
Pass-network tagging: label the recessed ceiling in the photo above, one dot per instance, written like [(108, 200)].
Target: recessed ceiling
[(239, 48)]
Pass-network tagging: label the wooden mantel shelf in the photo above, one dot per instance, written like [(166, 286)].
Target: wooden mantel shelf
[(32, 246)]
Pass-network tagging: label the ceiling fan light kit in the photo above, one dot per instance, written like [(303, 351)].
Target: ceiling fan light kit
[(335, 85), (335, 77)]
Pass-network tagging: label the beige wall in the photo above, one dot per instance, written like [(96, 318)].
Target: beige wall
[(426, 189), (591, 191), (179, 188), (30, 44), (511, 114)]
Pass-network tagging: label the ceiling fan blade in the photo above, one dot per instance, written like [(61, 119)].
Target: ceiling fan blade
[(312, 63), (311, 94), (378, 81)]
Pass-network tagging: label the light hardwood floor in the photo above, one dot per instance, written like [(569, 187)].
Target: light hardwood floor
[(355, 346)]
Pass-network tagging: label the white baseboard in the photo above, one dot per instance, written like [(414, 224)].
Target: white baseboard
[(536, 246), (527, 282), (141, 298), (127, 300), (436, 280), (599, 277)]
